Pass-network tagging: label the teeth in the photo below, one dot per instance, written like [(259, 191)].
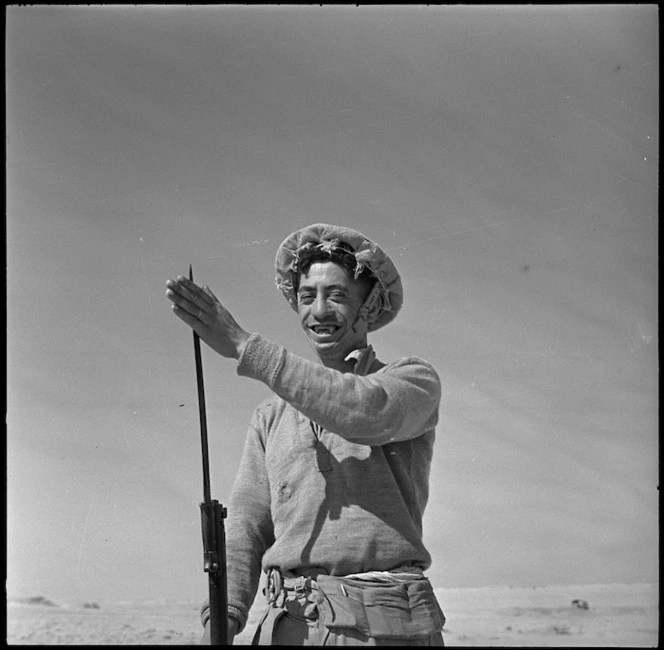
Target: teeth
[(324, 330)]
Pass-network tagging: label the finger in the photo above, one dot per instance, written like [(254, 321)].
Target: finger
[(193, 291), (198, 311), (188, 291), (177, 287), (176, 294), (196, 321), (208, 291)]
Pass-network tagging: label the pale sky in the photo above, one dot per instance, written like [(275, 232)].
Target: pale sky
[(505, 157)]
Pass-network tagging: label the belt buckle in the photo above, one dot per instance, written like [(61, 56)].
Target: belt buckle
[(301, 585), (274, 590)]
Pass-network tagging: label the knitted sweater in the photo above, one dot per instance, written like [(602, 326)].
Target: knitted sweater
[(334, 476)]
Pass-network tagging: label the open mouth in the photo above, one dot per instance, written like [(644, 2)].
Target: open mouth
[(324, 330)]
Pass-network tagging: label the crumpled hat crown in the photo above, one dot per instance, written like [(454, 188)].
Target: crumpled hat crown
[(367, 255)]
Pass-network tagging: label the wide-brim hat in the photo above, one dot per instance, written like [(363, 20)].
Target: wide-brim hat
[(367, 253)]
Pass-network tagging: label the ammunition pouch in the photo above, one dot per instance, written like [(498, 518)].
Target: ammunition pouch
[(401, 610)]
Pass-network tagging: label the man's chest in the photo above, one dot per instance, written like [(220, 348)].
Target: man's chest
[(298, 446)]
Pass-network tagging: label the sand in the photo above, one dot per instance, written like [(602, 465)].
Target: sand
[(618, 615)]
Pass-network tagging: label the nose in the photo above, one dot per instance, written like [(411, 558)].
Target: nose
[(320, 307)]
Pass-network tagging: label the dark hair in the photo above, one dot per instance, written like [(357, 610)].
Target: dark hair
[(342, 254)]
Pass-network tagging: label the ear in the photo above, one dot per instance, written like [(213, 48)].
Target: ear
[(373, 305), (374, 309)]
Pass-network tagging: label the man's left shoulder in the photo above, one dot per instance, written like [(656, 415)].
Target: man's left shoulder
[(417, 372), (411, 363)]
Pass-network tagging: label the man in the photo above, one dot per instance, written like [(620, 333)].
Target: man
[(334, 477)]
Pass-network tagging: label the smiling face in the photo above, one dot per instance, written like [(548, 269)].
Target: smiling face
[(328, 301)]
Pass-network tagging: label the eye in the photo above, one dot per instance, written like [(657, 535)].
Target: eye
[(305, 297)]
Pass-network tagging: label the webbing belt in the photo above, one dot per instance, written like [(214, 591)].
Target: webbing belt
[(281, 588)]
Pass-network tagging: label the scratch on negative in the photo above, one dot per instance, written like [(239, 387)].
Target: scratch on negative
[(493, 224), (145, 276), (124, 431), (80, 546)]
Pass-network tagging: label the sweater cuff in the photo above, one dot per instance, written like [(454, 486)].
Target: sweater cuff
[(261, 359), (238, 613)]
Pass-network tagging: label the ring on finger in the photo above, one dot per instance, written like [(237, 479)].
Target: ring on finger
[(200, 313)]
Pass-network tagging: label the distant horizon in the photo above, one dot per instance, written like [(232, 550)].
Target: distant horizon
[(258, 599)]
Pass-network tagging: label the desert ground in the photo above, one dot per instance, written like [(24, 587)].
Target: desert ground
[(617, 615)]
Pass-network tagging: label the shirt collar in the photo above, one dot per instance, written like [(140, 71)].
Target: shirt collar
[(364, 358)]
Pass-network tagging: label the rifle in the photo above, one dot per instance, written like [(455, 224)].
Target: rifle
[(212, 520)]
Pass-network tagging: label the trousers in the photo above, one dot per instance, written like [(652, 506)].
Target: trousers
[(332, 611)]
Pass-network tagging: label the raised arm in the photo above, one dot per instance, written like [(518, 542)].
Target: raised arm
[(396, 403)]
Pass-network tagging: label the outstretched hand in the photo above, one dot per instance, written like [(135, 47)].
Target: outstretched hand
[(202, 311)]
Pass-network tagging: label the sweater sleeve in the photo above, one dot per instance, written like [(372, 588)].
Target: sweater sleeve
[(249, 531), (399, 402)]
